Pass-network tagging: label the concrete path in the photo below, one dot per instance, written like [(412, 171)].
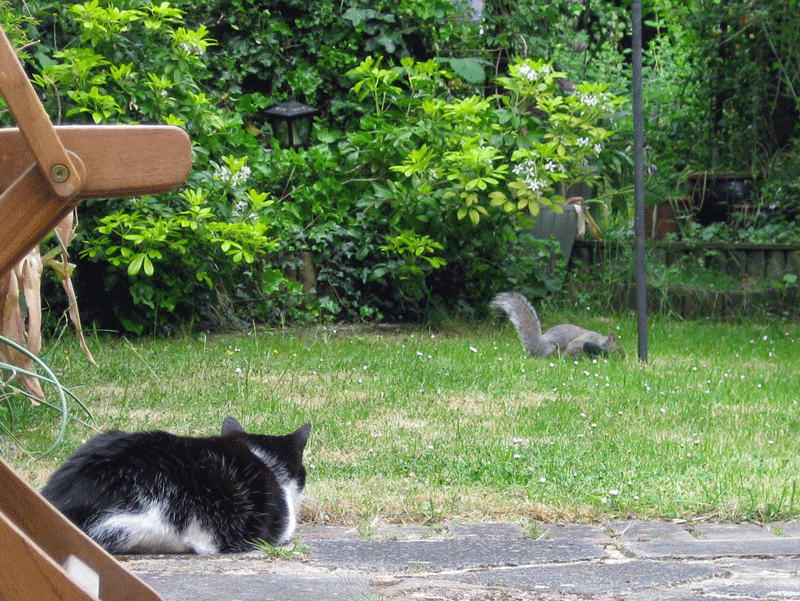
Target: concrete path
[(643, 561)]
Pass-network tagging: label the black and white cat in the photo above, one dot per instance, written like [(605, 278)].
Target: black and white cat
[(155, 492)]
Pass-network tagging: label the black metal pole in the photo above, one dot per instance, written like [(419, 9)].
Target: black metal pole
[(638, 191)]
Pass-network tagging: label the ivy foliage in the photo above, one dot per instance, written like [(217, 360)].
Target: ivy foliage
[(302, 50)]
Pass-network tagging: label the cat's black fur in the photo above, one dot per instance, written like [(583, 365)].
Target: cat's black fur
[(155, 492)]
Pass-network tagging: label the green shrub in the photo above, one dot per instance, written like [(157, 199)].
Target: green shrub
[(466, 171), (196, 250), (16, 24), (412, 195)]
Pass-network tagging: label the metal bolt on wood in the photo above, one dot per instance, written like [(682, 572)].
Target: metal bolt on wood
[(59, 174)]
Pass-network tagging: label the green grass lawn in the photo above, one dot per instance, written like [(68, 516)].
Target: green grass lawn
[(420, 426)]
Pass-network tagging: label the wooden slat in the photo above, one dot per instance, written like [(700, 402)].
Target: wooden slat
[(40, 526), (29, 574), (120, 160), (29, 209), (30, 116)]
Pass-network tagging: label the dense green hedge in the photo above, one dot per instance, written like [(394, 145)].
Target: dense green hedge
[(441, 134), (408, 200)]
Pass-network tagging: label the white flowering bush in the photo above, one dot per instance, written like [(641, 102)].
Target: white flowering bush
[(198, 246), (176, 254), (562, 129), (519, 150), (458, 168)]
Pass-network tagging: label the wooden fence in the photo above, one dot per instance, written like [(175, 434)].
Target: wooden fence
[(755, 262), (760, 271)]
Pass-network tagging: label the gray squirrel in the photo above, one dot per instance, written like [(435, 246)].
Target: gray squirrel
[(564, 339)]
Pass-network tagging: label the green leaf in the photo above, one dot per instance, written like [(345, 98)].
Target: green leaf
[(271, 280), (358, 16), (135, 266), (469, 69), (132, 323), (497, 198), (148, 266)]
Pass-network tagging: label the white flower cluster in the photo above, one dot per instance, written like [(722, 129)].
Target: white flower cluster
[(191, 48), (553, 167), (239, 208), (234, 178), (590, 99), (241, 211), (585, 141), (527, 171), (532, 74)]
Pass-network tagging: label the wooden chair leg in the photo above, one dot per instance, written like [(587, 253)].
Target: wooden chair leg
[(38, 540)]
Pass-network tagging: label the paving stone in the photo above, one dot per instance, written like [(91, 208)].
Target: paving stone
[(710, 549), (731, 531), (789, 530), (598, 577), (450, 554), (583, 532), (404, 532), (637, 531), (643, 561), (309, 533), (259, 586), (486, 531)]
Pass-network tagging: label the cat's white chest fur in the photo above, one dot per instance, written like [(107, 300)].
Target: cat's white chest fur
[(149, 532), (292, 494)]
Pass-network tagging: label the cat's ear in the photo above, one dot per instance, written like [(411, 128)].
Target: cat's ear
[(231, 426), (300, 435)]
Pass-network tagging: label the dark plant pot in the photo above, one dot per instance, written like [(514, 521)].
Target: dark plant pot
[(563, 226), (717, 195)]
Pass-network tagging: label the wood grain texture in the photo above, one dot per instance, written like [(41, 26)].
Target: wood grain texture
[(120, 160), (124, 160), (37, 539), (35, 125)]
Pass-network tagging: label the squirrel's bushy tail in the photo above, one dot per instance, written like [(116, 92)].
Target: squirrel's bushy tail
[(525, 320)]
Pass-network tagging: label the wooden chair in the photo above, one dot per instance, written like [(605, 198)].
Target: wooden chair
[(43, 556), (45, 172)]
